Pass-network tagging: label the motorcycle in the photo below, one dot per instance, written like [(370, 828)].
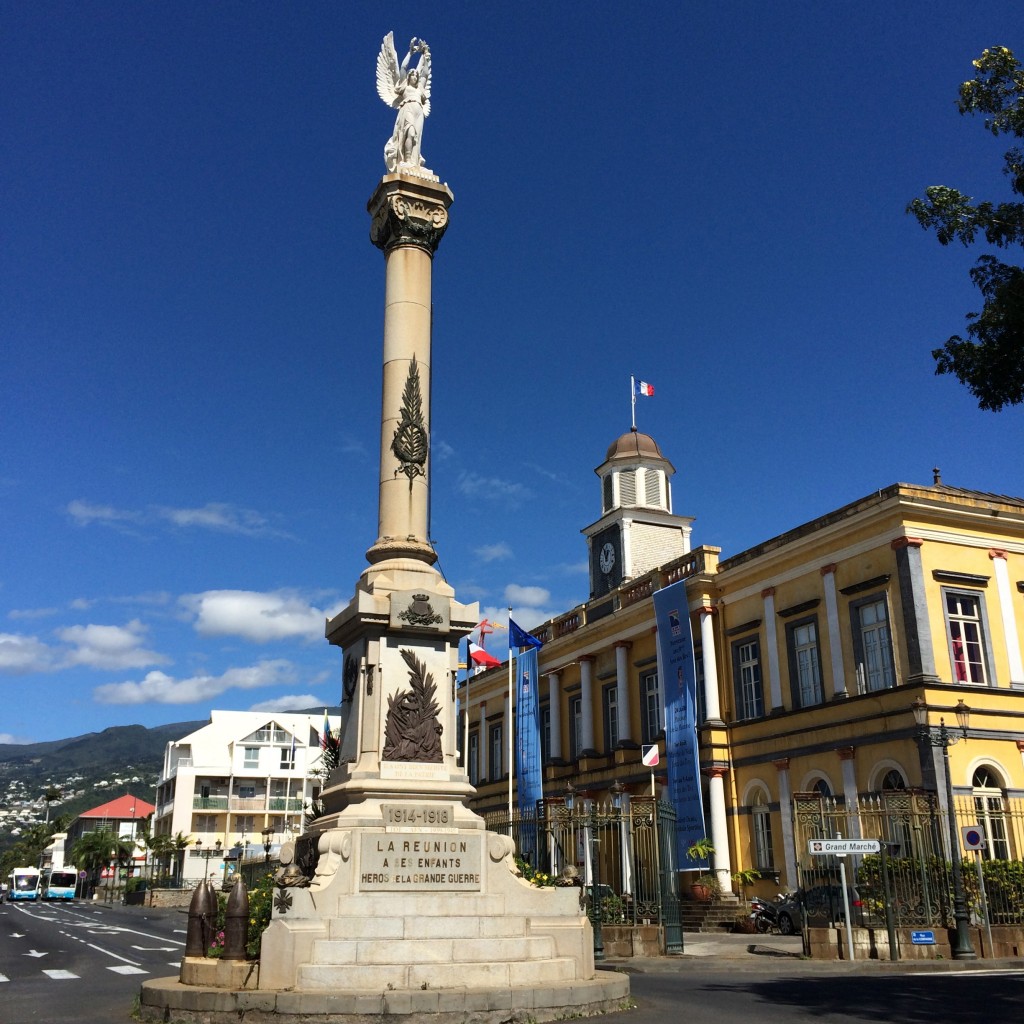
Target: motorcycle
[(768, 915)]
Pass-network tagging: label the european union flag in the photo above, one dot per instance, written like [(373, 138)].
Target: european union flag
[(518, 637)]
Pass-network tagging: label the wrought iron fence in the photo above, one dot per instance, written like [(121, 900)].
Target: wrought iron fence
[(912, 874), (622, 855)]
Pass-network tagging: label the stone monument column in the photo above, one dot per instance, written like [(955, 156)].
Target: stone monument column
[(400, 631), (409, 216)]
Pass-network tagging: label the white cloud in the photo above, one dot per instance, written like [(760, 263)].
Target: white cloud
[(6, 737), (220, 517), (292, 702), (31, 613), (493, 552), (256, 616), (21, 654), (85, 512), (516, 595), (159, 688), (108, 647), (492, 488)]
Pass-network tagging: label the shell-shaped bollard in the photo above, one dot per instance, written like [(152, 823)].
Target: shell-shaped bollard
[(194, 935), (236, 921), (209, 915)]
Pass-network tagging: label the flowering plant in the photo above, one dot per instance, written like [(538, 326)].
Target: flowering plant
[(532, 875)]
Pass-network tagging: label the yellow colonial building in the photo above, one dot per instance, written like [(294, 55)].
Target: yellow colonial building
[(810, 649)]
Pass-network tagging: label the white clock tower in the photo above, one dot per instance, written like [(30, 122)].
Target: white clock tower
[(637, 530)]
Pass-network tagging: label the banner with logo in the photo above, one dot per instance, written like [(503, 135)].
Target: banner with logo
[(529, 772), (679, 690)]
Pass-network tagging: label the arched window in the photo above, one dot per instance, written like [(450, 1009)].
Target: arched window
[(897, 813), (761, 825), (990, 811), (822, 788)]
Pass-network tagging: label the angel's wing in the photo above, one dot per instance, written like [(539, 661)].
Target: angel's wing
[(425, 69), (387, 70)]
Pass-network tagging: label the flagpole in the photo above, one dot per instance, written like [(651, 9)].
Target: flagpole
[(465, 719), (632, 401), (511, 725)]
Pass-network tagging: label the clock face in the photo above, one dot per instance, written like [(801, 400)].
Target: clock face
[(607, 559)]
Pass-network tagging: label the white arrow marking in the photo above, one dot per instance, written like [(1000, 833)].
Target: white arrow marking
[(60, 975), (17, 935), (34, 952), (3, 977)]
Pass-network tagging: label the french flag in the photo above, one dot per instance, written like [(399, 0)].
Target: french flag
[(645, 389)]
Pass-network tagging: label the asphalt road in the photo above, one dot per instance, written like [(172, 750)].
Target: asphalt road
[(734, 994), (82, 962)]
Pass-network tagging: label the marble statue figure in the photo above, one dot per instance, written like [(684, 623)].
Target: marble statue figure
[(408, 90)]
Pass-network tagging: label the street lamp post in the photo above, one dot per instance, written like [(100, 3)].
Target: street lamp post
[(268, 835), (962, 949), (206, 854)]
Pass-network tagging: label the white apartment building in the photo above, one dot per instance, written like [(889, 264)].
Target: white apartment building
[(243, 773)]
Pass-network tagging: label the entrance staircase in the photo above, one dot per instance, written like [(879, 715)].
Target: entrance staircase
[(715, 916)]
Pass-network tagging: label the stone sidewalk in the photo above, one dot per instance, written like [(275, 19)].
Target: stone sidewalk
[(778, 954)]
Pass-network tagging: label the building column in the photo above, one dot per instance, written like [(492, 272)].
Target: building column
[(508, 732), (720, 826), (772, 643), (712, 707), (917, 630), (483, 746), (555, 709), (828, 579), (791, 876), (623, 711), (587, 706), (850, 793), (1006, 601)]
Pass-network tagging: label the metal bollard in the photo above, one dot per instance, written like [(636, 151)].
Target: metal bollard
[(194, 936), (236, 921), (209, 916)]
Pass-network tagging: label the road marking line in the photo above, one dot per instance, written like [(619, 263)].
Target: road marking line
[(107, 952), (3, 977), (127, 969), (60, 975)]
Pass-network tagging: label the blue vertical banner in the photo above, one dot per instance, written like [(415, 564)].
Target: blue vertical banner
[(679, 689), (529, 780)]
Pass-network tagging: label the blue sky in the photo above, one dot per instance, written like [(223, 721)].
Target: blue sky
[(708, 196)]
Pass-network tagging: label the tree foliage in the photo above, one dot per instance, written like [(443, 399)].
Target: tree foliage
[(990, 362)]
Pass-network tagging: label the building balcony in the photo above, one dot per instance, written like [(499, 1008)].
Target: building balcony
[(281, 803), (209, 803)]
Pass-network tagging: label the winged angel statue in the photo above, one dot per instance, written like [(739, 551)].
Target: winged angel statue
[(408, 90)]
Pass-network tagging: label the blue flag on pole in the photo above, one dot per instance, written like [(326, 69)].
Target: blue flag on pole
[(529, 784), (679, 689), (518, 637)]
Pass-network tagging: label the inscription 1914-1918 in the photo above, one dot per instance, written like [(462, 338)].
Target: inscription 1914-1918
[(420, 861)]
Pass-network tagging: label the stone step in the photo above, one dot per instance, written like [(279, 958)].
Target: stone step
[(447, 950), (423, 927), (426, 976)]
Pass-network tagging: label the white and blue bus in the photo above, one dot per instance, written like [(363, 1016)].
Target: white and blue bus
[(23, 884), (58, 883)]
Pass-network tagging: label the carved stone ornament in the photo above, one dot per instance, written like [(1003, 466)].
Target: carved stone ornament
[(412, 731), (350, 677), (420, 612), (410, 443), (407, 220)]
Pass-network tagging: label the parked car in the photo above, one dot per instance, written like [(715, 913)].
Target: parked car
[(822, 905)]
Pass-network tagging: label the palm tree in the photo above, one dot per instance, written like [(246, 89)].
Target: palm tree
[(95, 850)]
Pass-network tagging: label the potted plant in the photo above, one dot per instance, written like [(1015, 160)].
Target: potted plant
[(707, 886), (745, 878)]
